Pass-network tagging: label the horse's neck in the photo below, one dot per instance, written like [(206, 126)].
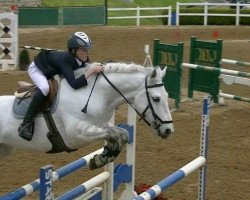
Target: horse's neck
[(105, 98), (128, 84)]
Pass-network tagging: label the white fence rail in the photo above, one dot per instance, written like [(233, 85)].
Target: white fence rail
[(206, 13), (138, 15)]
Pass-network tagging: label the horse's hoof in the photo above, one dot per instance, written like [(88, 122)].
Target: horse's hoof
[(99, 161), (92, 164)]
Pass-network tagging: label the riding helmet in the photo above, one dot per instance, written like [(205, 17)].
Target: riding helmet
[(79, 40)]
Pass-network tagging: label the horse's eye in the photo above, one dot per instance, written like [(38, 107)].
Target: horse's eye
[(156, 99)]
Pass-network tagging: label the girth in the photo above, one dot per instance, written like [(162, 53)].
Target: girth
[(54, 136)]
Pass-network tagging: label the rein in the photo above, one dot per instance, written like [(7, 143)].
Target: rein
[(116, 89), (157, 120)]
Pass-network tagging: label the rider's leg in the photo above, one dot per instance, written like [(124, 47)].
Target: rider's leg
[(27, 127)]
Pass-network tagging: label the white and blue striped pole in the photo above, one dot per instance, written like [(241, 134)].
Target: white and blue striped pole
[(204, 147), (85, 187), (166, 183), (58, 174)]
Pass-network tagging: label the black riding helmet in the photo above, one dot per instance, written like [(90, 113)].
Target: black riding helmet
[(79, 40)]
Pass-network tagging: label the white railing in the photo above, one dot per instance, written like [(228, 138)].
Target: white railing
[(206, 13), (138, 15)]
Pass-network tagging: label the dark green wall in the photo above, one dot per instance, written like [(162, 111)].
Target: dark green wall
[(84, 15), (95, 15)]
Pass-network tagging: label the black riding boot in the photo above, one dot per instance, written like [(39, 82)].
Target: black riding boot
[(26, 129)]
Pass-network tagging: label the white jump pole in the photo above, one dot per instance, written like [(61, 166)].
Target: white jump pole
[(235, 62), (221, 71)]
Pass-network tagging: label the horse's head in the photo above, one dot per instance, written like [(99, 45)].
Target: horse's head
[(152, 103)]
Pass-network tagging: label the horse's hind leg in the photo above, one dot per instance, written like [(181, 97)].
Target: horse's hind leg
[(116, 139), (5, 150)]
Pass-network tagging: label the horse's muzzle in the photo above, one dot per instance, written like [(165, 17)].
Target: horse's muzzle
[(165, 132)]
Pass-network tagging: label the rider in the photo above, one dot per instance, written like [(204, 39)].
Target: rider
[(49, 63)]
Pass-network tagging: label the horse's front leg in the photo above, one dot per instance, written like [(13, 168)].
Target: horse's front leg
[(116, 139)]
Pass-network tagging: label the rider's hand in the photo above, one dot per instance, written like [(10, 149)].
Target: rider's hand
[(93, 69)]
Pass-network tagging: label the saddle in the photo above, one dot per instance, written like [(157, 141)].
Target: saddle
[(25, 90)]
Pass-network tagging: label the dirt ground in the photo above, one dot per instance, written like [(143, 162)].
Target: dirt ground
[(229, 133)]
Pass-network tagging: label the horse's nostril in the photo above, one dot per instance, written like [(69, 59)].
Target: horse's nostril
[(168, 131)]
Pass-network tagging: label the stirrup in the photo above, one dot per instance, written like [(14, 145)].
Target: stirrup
[(28, 135)]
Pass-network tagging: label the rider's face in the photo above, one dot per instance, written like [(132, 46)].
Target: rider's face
[(82, 54)]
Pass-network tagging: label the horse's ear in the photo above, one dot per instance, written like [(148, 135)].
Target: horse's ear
[(153, 74), (164, 72), (159, 71)]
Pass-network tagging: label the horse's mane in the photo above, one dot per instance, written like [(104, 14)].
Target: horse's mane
[(119, 67), (125, 68)]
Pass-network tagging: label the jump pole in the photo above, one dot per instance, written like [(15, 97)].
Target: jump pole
[(172, 179), (235, 97), (39, 48), (221, 71), (235, 62), (86, 186), (58, 174)]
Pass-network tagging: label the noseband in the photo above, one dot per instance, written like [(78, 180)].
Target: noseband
[(157, 120)]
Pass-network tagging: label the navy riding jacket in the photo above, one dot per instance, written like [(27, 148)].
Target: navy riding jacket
[(62, 63)]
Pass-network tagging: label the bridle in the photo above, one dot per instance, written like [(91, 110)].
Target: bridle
[(157, 120)]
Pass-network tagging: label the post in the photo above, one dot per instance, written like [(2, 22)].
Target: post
[(8, 41), (46, 174), (177, 13), (237, 18), (203, 148), (169, 15), (138, 16), (147, 61), (205, 13), (130, 156), (106, 12)]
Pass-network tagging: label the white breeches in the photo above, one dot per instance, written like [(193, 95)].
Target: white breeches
[(38, 78)]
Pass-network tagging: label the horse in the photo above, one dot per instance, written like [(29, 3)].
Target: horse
[(120, 82)]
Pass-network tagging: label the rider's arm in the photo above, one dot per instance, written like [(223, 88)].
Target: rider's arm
[(74, 82), (93, 69)]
